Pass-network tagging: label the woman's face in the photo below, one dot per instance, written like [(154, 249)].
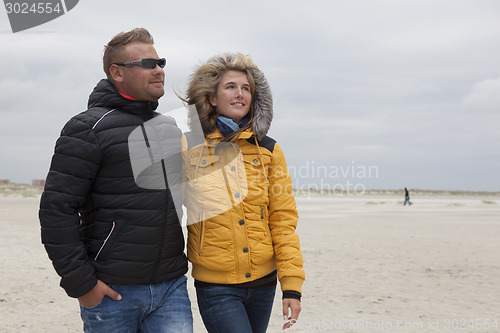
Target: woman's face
[(233, 96)]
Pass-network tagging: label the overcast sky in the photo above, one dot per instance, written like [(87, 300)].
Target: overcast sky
[(379, 94)]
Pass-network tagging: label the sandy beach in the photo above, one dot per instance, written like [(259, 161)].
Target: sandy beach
[(372, 265)]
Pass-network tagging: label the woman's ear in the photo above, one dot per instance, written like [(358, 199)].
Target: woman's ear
[(213, 100)]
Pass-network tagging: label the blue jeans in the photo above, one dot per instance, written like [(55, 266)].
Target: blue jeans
[(162, 307), (227, 309)]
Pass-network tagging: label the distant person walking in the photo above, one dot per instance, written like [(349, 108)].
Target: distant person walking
[(407, 197)]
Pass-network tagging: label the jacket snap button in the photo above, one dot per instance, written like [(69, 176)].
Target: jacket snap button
[(255, 161), (233, 168), (245, 249), (248, 275), (236, 195), (242, 222), (204, 162)]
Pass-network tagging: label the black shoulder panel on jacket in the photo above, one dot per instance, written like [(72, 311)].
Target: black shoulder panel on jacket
[(266, 142)]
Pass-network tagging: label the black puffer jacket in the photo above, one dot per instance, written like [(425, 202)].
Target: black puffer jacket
[(96, 222)]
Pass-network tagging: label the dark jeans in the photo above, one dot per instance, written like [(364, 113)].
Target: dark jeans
[(227, 309)]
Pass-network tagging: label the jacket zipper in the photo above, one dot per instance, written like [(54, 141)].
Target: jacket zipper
[(105, 241), (200, 218)]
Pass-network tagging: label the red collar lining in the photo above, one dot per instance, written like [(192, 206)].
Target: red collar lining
[(128, 97)]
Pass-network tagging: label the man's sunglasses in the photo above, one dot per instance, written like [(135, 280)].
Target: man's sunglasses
[(144, 63)]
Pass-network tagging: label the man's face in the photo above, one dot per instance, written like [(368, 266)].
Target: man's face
[(141, 83)]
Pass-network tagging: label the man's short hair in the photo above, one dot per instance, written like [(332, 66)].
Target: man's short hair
[(113, 50)]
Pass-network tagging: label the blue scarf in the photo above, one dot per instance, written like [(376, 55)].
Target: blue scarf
[(227, 126)]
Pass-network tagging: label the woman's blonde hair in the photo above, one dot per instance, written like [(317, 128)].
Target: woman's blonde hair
[(204, 83)]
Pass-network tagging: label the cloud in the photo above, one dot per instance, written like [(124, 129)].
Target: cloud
[(484, 95), (400, 84)]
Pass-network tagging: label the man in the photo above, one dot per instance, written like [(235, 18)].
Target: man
[(118, 247), (407, 197)]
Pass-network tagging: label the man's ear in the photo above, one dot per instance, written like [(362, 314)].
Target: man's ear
[(213, 100), (116, 73)]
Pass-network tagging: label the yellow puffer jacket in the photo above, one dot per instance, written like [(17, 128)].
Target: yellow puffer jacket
[(241, 212)]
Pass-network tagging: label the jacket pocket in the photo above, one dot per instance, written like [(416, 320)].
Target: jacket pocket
[(204, 168), (263, 251), (108, 242), (265, 221)]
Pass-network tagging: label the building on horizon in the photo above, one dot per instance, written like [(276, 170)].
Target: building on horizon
[(38, 182)]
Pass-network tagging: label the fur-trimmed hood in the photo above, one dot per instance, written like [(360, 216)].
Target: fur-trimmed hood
[(263, 99)]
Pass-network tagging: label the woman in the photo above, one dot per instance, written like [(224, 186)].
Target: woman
[(240, 207)]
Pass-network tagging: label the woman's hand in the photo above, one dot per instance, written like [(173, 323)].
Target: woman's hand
[(291, 316)]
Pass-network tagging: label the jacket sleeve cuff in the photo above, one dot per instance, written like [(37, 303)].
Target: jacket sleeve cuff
[(291, 283), (292, 294), (80, 290)]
